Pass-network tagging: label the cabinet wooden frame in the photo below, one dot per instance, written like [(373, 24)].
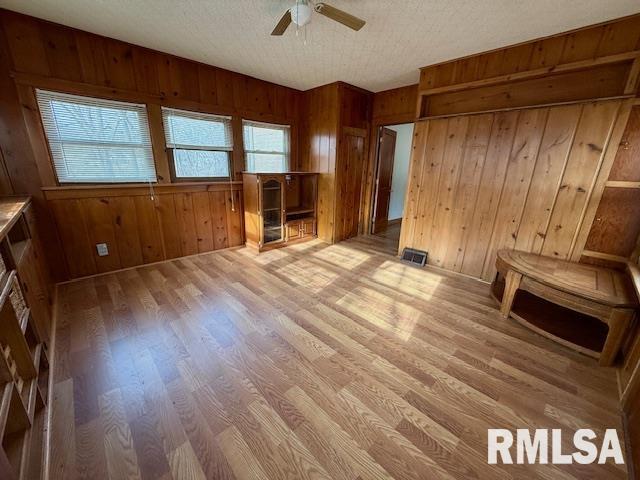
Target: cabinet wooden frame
[(23, 347), (297, 210)]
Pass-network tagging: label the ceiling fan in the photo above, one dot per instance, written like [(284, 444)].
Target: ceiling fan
[(300, 14)]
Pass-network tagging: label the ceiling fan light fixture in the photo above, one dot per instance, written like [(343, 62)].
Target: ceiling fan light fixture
[(301, 14)]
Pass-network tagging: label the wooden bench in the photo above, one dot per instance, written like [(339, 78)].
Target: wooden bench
[(593, 292)]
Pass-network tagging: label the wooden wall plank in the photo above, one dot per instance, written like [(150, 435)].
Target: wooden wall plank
[(582, 167), (218, 205), (186, 223), (412, 195), (234, 218), (169, 225), (552, 158), (125, 221), (78, 250), (427, 180), (25, 43), (491, 182), (522, 160), (98, 220), (148, 229), (449, 176), (476, 144), (202, 215)]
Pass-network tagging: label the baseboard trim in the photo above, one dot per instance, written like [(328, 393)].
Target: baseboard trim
[(52, 360)]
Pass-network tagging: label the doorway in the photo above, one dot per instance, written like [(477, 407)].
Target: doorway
[(392, 173)]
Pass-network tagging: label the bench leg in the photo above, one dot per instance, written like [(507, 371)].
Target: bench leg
[(511, 285), (619, 321)]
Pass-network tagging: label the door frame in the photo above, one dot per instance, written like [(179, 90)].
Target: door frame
[(376, 183), (376, 165)]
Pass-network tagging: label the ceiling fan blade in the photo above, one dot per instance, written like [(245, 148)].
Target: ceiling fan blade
[(282, 24), (339, 16)]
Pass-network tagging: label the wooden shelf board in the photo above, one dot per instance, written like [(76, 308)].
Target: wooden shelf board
[(24, 320), (34, 457), (301, 210), (17, 415), (15, 448), (19, 249), (572, 329)]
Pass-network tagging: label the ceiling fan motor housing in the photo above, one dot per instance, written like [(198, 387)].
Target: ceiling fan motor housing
[(301, 13)]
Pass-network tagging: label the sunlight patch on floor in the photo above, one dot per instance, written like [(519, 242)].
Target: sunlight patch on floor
[(342, 256), (392, 316), (407, 279), (307, 274)]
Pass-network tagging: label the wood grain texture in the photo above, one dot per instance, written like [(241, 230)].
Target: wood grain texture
[(138, 229), (518, 179), (587, 64), (617, 36), (39, 54), (231, 365), (331, 149)]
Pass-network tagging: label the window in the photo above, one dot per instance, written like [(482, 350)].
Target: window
[(201, 144), (97, 141), (266, 147)]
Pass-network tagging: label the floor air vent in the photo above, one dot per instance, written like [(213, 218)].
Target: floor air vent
[(417, 257)]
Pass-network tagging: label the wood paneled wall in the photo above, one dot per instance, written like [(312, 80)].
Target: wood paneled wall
[(138, 228), (616, 227), (335, 125), (519, 179), (319, 133), (39, 54), (590, 63)]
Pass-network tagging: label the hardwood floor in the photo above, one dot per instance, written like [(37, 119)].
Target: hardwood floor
[(312, 361), (389, 238)]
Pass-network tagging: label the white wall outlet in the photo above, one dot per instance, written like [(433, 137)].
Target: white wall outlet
[(102, 249)]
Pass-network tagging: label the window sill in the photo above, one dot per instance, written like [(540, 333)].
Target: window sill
[(134, 189)]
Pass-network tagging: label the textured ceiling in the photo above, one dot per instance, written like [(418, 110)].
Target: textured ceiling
[(400, 35)]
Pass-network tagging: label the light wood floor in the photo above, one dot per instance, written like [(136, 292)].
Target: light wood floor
[(390, 238), (313, 361)]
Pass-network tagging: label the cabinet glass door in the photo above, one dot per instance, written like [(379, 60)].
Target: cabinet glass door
[(272, 211)]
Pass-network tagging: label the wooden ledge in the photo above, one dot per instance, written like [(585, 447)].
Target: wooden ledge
[(135, 189)]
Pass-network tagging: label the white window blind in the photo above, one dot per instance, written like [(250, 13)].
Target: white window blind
[(201, 143), (97, 141), (266, 146)]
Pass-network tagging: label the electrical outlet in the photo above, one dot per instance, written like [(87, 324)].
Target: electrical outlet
[(102, 249)]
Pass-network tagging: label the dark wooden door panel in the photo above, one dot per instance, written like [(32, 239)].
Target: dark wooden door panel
[(384, 176)]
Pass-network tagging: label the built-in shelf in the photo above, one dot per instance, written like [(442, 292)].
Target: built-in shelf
[(19, 248), (24, 366), (299, 210)]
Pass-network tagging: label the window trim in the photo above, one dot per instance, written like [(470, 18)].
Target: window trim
[(97, 100), (176, 179), (171, 148), (287, 144)]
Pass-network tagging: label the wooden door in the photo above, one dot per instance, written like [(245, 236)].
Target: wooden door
[(349, 173), (384, 176)]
